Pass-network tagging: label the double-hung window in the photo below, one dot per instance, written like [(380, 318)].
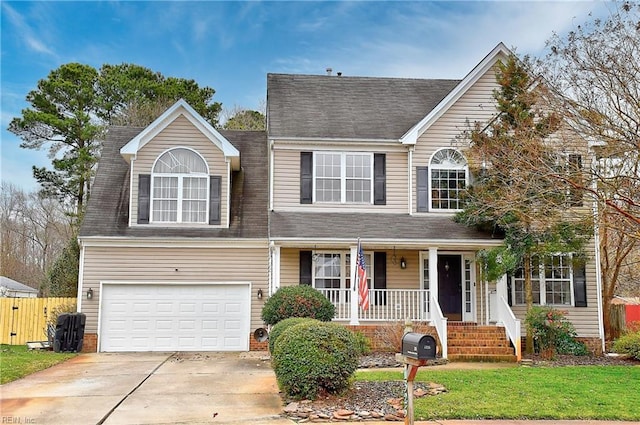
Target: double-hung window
[(180, 188), (343, 177), (332, 273), (551, 281)]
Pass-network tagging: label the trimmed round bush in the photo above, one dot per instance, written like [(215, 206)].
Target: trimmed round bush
[(313, 358), (297, 301), (283, 325)]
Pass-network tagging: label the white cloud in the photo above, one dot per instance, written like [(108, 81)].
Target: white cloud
[(30, 39)]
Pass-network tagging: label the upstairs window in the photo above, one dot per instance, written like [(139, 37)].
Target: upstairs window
[(343, 177), (180, 188), (448, 179), (440, 185)]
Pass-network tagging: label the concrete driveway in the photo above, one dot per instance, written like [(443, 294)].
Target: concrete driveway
[(147, 388)]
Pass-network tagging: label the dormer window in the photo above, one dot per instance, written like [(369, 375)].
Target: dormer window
[(180, 188)]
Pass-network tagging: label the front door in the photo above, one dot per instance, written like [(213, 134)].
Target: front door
[(450, 286)]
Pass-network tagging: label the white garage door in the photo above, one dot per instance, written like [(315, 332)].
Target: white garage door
[(141, 317)]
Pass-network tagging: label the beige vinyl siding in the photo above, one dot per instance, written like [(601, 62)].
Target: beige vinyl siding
[(289, 266), (476, 105), (286, 185), (180, 133), (131, 264)]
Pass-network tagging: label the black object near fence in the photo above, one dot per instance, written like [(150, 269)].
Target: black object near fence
[(69, 333)]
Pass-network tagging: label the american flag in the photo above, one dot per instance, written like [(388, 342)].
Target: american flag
[(361, 279)]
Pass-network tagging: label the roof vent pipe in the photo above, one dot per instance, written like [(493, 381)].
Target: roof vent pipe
[(329, 70)]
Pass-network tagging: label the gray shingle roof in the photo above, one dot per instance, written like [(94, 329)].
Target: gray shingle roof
[(370, 225), (14, 285), (321, 106), (108, 209)]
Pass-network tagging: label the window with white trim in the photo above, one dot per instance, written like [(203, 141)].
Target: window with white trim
[(448, 177), (332, 270), (343, 177), (551, 281), (180, 188)]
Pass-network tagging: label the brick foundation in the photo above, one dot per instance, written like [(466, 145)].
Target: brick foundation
[(257, 346), (90, 343), (593, 344)]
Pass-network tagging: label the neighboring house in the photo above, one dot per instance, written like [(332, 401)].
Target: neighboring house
[(12, 289), (344, 158)]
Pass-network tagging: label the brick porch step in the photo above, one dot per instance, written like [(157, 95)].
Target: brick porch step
[(470, 342)]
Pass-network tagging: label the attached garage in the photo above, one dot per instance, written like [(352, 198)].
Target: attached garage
[(174, 317)]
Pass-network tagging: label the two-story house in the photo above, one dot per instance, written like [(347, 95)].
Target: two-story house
[(190, 229)]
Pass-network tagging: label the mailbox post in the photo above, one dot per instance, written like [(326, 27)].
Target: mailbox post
[(417, 350)]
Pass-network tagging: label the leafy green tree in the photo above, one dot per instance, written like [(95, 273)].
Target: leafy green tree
[(126, 90), (516, 190), (62, 117), (62, 277), (244, 119)]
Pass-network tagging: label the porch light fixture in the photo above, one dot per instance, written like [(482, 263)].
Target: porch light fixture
[(403, 263), (259, 294), (89, 294)]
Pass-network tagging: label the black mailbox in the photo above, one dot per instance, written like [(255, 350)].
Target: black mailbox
[(418, 346)]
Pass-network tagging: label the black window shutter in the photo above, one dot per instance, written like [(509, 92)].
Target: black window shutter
[(422, 178), (379, 179), (215, 199), (380, 277), (305, 267), (144, 198), (575, 174), (509, 290), (306, 177), (579, 282)]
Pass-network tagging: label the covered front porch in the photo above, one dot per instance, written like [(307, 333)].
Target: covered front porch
[(438, 285)]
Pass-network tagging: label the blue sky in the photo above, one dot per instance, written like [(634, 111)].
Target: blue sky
[(231, 46)]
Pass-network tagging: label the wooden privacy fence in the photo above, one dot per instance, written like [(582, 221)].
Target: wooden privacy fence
[(25, 319)]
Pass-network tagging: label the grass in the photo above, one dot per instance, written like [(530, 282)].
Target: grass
[(16, 361), (578, 392)]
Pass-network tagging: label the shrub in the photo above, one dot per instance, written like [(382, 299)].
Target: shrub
[(297, 301), (628, 343), (552, 332), (363, 343), (281, 326), (314, 357), (389, 336)]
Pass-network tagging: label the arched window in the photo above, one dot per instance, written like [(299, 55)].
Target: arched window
[(448, 176), (180, 189)]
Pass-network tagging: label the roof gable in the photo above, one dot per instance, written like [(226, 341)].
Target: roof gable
[(181, 108), (499, 52)]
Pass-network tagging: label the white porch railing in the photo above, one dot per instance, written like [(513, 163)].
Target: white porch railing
[(391, 305), (440, 323), (384, 304), (511, 325)]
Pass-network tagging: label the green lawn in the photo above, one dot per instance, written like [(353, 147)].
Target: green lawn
[(578, 392), (17, 361)]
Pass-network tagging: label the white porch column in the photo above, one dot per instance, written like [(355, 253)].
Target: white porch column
[(433, 275), (501, 292), (354, 287), (275, 269)]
